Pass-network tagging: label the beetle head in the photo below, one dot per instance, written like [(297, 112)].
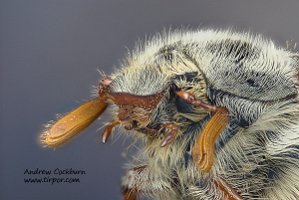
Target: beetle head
[(138, 96)]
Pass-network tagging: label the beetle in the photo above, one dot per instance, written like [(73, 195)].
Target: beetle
[(216, 111)]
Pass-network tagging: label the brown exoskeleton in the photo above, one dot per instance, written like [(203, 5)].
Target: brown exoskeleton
[(217, 113)]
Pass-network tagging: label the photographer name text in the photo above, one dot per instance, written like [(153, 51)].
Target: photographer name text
[(57, 171)]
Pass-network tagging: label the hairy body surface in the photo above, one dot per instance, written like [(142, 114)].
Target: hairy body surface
[(217, 114)]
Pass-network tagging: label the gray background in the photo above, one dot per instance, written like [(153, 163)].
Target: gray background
[(49, 53)]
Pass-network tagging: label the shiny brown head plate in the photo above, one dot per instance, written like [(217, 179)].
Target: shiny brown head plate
[(147, 102)]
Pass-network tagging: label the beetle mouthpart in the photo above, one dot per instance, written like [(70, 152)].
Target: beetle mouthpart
[(74, 122), (108, 130), (203, 151)]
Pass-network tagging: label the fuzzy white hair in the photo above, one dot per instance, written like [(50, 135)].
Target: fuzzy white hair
[(258, 153)]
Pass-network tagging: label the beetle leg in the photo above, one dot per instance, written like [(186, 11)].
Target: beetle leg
[(129, 194), (228, 191), (173, 129), (138, 182), (108, 130), (132, 181), (189, 98), (203, 150)]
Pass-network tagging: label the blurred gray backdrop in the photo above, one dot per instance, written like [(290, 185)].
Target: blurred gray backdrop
[(49, 55)]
